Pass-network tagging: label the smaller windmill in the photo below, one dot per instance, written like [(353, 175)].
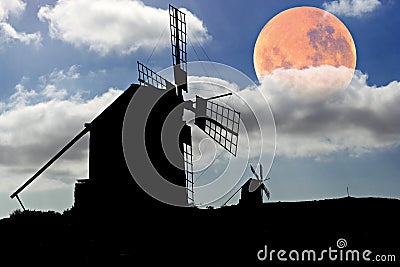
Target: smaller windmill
[(252, 191)]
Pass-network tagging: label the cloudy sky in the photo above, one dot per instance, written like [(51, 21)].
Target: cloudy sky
[(63, 61)]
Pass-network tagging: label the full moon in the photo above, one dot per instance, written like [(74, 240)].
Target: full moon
[(304, 37)]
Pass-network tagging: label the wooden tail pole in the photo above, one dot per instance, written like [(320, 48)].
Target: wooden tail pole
[(232, 196), (20, 202), (51, 161)]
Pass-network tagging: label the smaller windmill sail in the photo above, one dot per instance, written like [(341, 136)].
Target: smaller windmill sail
[(149, 77), (219, 122)]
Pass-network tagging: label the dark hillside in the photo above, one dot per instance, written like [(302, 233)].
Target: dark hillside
[(192, 236)]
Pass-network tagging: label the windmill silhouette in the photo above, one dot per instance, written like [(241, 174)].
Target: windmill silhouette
[(252, 190), (152, 109), (218, 121)]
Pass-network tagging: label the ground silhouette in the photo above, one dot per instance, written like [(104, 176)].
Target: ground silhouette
[(193, 237)]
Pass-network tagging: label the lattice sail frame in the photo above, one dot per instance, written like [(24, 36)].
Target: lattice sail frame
[(177, 22), (178, 43), (219, 122), (149, 77), (188, 158)]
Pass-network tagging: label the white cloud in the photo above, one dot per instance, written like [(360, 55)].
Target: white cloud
[(351, 8), (313, 82), (316, 120), (7, 7), (51, 84), (315, 114), (121, 26), (7, 31), (34, 125), (21, 97), (57, 76), (50, 91), (358, 120)]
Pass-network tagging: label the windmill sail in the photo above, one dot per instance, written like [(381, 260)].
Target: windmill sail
[(149, 77), (219, 122), (177, 24), (188, 158), (267, 193), (185, 139)]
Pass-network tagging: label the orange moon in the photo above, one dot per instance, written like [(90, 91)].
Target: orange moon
[(303, 37)]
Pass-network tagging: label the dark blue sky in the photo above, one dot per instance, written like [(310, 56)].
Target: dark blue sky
[(234, 28)]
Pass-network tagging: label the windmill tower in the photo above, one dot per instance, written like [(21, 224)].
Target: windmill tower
[(252, 190), (157, 115)]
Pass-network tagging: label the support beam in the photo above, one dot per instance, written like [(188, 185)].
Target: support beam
[(51, 161), (226, 202), (219, 96), (20, 202)]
